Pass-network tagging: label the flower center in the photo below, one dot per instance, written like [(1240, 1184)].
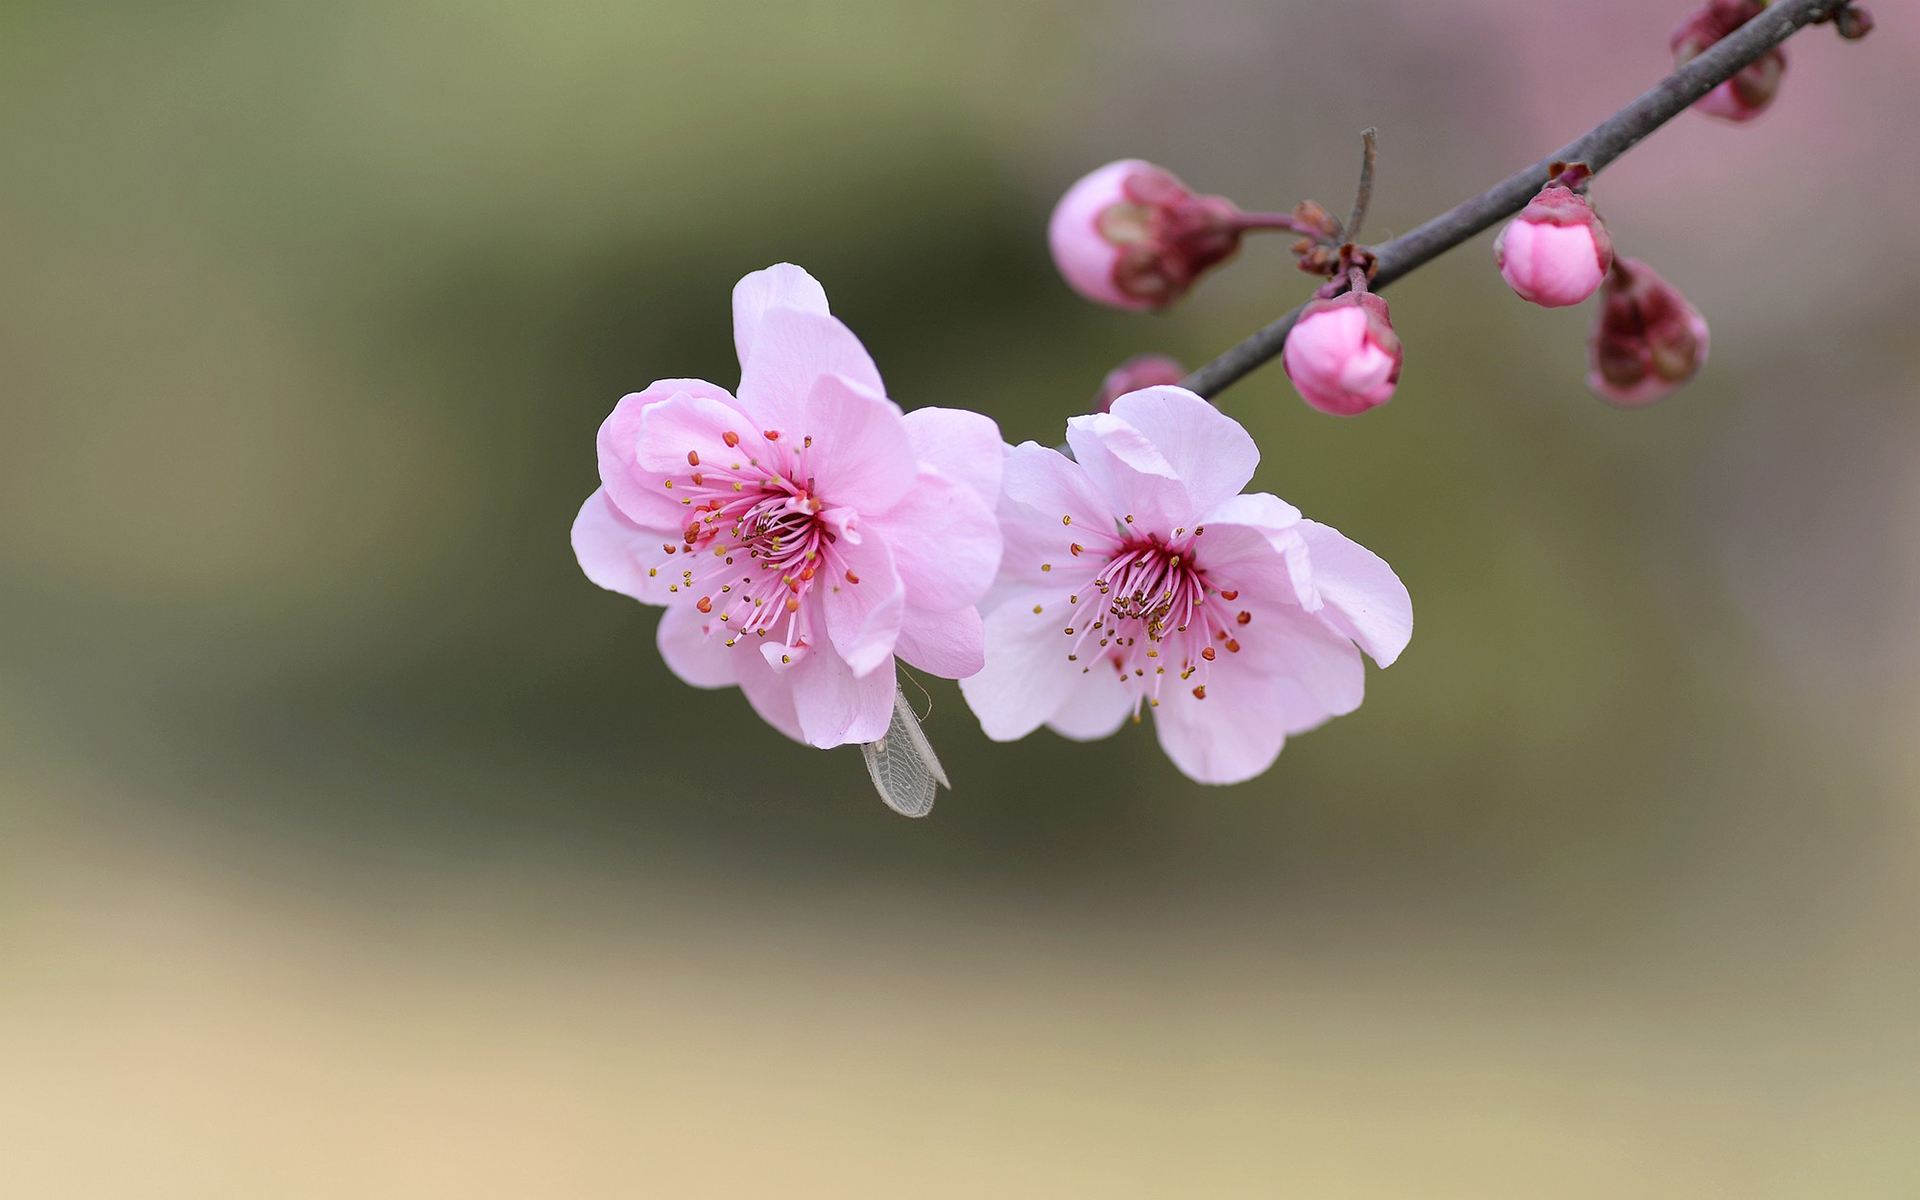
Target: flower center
[(1154, 615), (754, 545)]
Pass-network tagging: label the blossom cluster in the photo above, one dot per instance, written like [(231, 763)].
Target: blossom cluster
[(1343, 354), (802, 533), (805, 534)]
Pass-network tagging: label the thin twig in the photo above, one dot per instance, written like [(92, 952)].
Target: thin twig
[(1596, 148), (1363, 194)]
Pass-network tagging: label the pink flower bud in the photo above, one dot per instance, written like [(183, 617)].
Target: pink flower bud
[(1140, 371), (1557, 251), (1343, 355), (1647, 340), (1753, 88), (1133, 236)]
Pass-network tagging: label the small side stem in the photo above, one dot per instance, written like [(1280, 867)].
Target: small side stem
[(1247, 222), (1363, 194)]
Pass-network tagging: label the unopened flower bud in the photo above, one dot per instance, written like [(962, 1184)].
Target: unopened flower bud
[(1557, 251), (1854, 22), (1753, 87), (1647, 340), (1133, 236), (1343, 355), (1140, 371)]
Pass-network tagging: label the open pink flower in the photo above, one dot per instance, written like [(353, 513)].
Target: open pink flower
[(1136, 576), (802, 532)]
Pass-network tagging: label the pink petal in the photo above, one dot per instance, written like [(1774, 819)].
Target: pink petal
[(1245, 545), (1322, 666), (636, 490), (692, 652), (964, 446), (1027, 676), (791, 350), (1291, 674), (782, 285), (1130, 473), (1210, 452), (852, 444), (1097, 705), (1040, 486), (862, 618), (945, 543), (769, 692), (616, 553), (1085, 258), (1364, 599), (1229, 737), (835, 706), (672, 429), (951, 645)]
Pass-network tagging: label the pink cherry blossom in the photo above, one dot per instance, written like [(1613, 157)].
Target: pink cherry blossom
[(1343, 355), (802, 532), (1137, 579), (1557, 251), (1131, 235)]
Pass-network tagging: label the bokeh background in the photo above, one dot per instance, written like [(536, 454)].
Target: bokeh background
[(351, 844)]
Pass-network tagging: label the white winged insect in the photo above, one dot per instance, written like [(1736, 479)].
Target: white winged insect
[(902, 762)]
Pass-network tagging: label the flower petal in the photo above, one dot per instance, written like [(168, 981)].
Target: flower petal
[(791, 350), (1229, 737), (964, 446), (1097, 705), (1132, 476), (1027, 675), (1364, 599), (636, 490), (951, 645), (769, 692), (616, 553), (683, 425), (782, 285), (1323, 673), (851, 442), (1211, 454), (837, 707), (692, 652), (1245, 546), (1040, 487), (863, 601), (945, 542)]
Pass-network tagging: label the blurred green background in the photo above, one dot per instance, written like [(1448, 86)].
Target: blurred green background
[(352, 844)]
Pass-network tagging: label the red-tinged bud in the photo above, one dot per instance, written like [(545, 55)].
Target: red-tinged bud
[(1133, 236), (1647, 340), (1557, 251), (1343, 355), (1854, 22), (1752, 89), (1140, 371)]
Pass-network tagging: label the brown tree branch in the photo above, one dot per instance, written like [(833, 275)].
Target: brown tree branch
[(1596, 148)]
